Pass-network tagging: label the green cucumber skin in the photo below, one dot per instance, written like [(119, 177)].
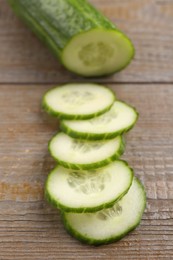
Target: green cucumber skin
[(76, 117), (60, 206), (91, 166), (94, 242), (56, 22), (96, 136), (60, 20), (72, 117)]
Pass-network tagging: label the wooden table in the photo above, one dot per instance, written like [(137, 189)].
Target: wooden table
[(29, 227)]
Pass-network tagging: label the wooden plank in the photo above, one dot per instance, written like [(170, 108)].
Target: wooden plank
[(32, 229), (149, 23)]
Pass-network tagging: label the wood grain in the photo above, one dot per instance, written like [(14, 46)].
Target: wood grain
[(29, 227), (32, 229), (149, 23)]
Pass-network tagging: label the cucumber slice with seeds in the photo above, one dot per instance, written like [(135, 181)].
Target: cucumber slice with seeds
[(88, 191), (80, 154), (111, 224), (119, 119), (78, 100)]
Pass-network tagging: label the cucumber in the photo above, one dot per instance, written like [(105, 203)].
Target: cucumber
[(84, 41), (111, 224), (118, 120), (80, 154), (78, 100), (88, 191)]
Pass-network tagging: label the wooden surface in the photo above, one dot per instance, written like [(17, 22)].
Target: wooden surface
[(148, 23), (29, 227)]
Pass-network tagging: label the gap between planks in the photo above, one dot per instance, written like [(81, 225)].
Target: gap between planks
[(89, 81)]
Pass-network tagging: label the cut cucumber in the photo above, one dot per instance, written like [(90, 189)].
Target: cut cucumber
[(119, 119), (80, 154), (98, 52), (81, 37), (111, 224), (78, 100), (88, 191)]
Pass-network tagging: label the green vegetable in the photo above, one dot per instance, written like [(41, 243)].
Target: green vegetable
[(88, 191), (118, 120), (100, 199), (78, 100), (111, 224), (81, 154), (85, 41)]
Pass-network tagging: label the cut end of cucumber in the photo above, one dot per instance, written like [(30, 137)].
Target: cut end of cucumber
[(98, 52)]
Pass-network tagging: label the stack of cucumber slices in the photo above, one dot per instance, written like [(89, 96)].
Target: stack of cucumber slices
[(100, 198)]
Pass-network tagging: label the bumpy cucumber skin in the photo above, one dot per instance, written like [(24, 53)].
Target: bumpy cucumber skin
[(95, 242), (97, 136), (56, 31), (62, 207), (91, 166), (62, 116)]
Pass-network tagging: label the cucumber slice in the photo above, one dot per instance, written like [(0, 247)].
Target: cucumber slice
[(78, 100), (80, 154), (111, 224), (119, 119), (88, 191)]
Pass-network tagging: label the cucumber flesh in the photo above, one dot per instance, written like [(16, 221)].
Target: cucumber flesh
[(88, 191), (98, 52), (78, 100), (80, 154), (111, 224), (119, 119)]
